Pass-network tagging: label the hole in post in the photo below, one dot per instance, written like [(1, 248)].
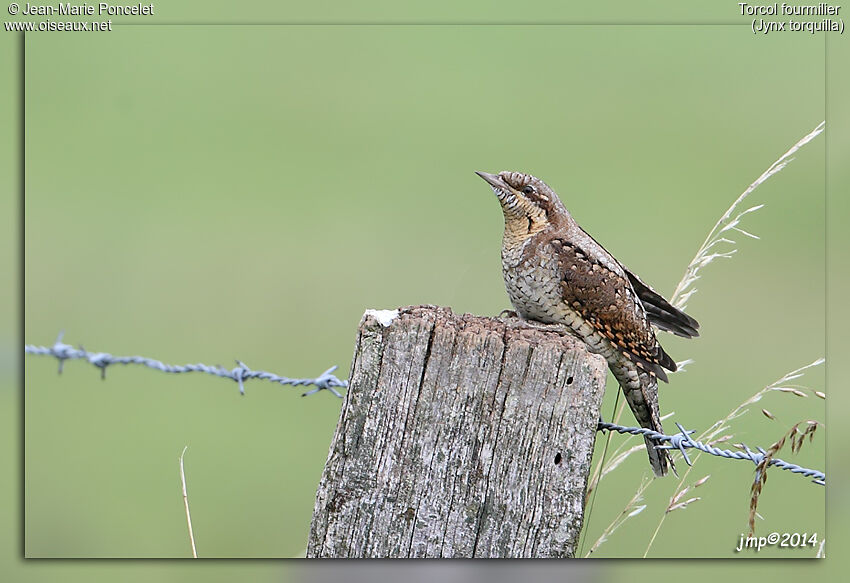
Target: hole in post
[(558, 459), (569, 380)]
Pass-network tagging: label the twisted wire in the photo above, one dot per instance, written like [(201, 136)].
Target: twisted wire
[(241, 373), (682, 441), (328, 382)]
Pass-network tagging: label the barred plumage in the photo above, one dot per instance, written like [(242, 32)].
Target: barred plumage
[(557, 273)]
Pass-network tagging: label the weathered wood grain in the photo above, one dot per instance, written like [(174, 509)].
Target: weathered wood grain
[(460, 436)]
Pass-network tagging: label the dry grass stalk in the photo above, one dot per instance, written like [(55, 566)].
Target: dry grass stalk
[(711, 435), (680, 505), (618, 456), (797, 437), (712, 432), (676, 502), (633, 508), (186, 504), (721, 439), (729, 222), (702, 481), (793, 391)]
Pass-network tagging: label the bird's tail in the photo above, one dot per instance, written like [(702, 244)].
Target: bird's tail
[(642, 396), (658, 458)]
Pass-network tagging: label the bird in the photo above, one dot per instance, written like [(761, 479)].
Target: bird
[(556, 273)]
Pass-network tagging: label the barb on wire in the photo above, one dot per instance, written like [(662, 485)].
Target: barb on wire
[(683, 441), (327, 381), (62, 352)]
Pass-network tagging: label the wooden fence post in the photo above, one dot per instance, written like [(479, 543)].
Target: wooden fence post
[(460, 436)]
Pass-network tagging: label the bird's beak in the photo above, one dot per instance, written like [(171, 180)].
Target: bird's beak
[(492, 179)]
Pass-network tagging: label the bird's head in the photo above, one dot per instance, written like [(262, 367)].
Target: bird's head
[(525, 199)]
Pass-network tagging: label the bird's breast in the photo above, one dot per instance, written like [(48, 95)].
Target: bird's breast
[(532, 283)]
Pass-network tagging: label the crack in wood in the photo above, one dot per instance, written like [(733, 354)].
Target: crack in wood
[(455, 460)]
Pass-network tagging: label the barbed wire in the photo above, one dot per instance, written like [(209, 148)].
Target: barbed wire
[(241, 373), (682, 441), (327, 381)]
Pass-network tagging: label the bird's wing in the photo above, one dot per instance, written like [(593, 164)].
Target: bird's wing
[(594, 285), (661, 313)]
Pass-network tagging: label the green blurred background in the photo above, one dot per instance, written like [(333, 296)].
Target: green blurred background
[(212, 193)]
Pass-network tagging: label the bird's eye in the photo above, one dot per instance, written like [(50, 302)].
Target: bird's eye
[(528, 189)]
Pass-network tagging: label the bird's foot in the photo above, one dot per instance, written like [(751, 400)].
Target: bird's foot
[(558, 328)]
